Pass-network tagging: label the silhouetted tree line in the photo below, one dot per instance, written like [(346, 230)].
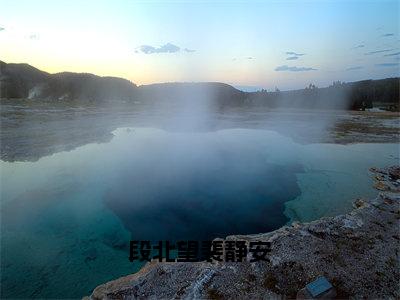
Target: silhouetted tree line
[(355, 95)]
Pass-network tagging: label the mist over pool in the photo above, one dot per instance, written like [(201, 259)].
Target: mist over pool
[(71, 215)]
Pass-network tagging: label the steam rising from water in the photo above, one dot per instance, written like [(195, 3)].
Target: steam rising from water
[(306, 115)]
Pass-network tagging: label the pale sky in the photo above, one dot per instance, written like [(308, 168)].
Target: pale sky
[(287, 44)]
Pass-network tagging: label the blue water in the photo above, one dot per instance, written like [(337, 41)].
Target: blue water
[(66, 219)]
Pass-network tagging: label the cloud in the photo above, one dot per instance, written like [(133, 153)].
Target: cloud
[(2, 28), (393, 54), (293, 69), (354, 68), (358, 46), (387, 34), (242, 58), (294, 53), (167, 48), (378, 51), (34, 36), (292, 58), (387, 65)]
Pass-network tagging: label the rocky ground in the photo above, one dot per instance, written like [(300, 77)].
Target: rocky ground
[(364, 127), (357, 252)]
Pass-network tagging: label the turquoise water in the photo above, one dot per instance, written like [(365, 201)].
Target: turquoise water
[(67, 218)]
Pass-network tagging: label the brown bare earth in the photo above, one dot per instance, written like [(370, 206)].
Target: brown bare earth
[(373, 127)]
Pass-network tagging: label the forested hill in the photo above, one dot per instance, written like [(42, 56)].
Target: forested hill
[(22, 81), (353, 95)]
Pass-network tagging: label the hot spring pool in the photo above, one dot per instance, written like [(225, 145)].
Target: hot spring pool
[(66, 219)]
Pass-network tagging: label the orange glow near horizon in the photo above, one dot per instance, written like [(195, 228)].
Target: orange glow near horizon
[(235, 44)]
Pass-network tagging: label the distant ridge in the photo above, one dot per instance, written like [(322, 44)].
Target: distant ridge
[(22, 81)]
